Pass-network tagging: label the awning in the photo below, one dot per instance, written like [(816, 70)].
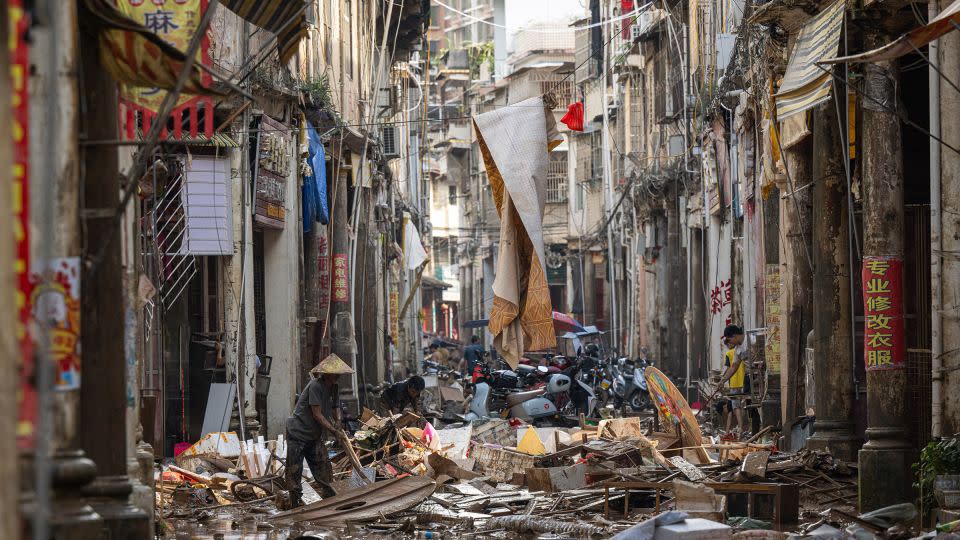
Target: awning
[(286, 19), (217, 140), (946, 21), (806, 84), (134, 55), (435, 283)]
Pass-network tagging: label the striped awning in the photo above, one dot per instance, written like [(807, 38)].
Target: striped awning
[(805, 83), (286, 19)]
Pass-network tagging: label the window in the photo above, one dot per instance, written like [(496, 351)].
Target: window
[(208, 207), (204, 297), (452, 194), (348, 28), (637, 121), (557, 178), (596, 156)]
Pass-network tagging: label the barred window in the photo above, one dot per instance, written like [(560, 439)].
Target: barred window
[(557, 178)]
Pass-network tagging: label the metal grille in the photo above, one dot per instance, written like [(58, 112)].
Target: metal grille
[(259, 294), (166, 261), (557, 178), (390, 141), (920, 402)]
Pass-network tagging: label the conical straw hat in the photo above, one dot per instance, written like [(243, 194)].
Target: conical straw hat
[(332, 365)]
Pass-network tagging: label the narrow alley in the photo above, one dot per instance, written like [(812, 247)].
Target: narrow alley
[(297, 269)]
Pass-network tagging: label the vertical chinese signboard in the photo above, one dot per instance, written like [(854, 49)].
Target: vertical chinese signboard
[(884, 344), (771, 309), (394, 314), (341, 287), (273, 168), (19, 69)]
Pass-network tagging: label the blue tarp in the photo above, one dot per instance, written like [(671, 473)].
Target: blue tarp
[(315, 206)]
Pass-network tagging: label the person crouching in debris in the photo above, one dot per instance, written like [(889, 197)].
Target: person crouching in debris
[(736, 374), (316, 414), (401, 395)]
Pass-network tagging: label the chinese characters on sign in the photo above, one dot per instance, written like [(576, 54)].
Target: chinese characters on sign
[(771, 290), (323, 265), (19, 68), (175, 21), (720, 296), (341, 286), (273, 166), (884, 346)]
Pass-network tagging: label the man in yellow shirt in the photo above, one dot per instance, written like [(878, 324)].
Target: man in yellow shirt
[(736, 374)]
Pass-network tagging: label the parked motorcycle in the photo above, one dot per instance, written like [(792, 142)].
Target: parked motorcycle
[(629, 384), (536, 406)]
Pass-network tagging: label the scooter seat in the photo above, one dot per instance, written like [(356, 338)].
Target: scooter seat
[(519, 397)]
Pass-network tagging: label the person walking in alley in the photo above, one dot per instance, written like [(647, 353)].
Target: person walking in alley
[(736, 374), (401, 395), (472, 354), (316, 414)]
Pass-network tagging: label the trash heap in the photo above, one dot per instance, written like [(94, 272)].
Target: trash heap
[(402, 475)]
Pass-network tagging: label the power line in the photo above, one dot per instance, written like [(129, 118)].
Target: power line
[(532, 30)]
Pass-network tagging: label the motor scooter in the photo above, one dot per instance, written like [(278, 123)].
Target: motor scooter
[(532, 406), (629, 385)]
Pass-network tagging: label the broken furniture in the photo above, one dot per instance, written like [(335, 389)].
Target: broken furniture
[(786, 497)]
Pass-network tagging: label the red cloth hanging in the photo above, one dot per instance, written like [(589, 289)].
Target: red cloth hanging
[(574, 117)]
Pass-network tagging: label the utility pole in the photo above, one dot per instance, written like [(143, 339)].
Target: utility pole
[(885, 459), (833, 367), (103, 392), (614, 327), (342, 343)]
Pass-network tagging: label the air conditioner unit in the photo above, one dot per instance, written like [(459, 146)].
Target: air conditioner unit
[(391, 146)]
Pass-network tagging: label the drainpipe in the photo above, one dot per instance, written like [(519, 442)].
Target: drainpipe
[(936, 292)]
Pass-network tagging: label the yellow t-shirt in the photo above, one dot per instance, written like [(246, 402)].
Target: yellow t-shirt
[(736, 380)]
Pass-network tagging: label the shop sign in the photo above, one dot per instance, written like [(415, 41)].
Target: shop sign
[(273, 167), (323, 267), (176, 21), (884, 345), (771, 310), (341, 281), (395, 316), (19, 129)]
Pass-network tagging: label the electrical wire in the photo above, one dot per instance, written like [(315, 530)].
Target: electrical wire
[(533, 30)]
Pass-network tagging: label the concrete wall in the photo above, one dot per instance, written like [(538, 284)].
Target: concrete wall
[(281, 254)]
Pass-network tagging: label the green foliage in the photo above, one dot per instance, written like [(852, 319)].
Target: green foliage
[(938, 457), (318, 90), (479, 54)]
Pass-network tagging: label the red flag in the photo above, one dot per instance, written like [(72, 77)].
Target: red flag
[(574, 117)]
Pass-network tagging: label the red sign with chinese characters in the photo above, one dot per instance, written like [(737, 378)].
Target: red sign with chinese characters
[(20, 122), (884, 343), (341, 281)]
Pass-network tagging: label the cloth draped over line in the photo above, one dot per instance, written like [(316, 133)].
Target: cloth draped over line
[(315, 207), (414, 258), (515, 142), (806, 84)]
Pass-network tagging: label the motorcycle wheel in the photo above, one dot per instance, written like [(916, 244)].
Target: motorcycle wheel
[(638, 401)]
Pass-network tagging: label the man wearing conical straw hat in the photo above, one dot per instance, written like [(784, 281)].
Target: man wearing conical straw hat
[(316, 413)]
